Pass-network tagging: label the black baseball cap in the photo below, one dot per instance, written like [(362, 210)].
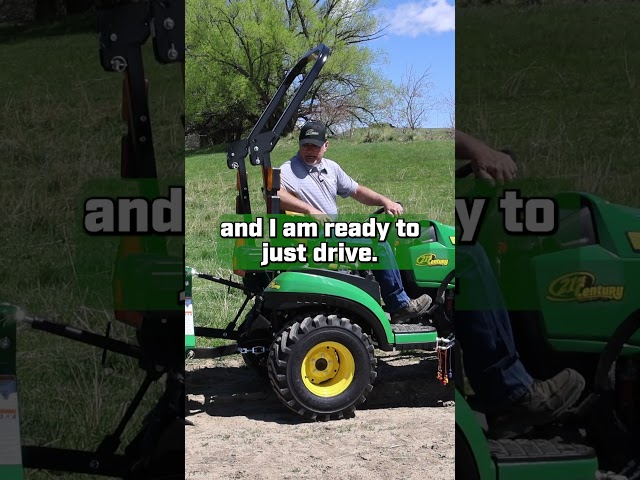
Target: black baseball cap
[(314, 133)]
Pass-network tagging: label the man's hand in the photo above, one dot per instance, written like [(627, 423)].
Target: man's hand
[(487, 163), (369, 197), (289, 202), (392, 208), (318, 215), (490, 164)]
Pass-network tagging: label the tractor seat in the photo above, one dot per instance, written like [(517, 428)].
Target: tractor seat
[(428, 234), (368, 285)]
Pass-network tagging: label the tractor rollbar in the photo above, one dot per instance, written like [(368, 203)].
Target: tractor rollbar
[(259, 144), (270, 138)]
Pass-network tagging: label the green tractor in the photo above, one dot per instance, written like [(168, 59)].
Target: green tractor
[(313, 329), (573, 301)]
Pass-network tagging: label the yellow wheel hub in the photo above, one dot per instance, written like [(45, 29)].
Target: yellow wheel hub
[(328, 369)]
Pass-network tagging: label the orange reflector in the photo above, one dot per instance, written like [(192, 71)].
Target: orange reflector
[(130, 318), (126, 316), (130, 245), (240, 242), (268, 177)]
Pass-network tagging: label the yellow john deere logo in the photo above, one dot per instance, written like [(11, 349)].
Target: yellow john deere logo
[(274, 285), (430, 260), (581, 287)]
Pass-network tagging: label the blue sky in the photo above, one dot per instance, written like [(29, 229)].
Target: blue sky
[(420, 33)]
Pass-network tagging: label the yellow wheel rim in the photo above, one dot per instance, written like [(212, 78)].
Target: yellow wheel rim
[(328, 369)]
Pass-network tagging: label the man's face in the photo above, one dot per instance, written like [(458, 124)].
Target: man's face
[(312, 154)]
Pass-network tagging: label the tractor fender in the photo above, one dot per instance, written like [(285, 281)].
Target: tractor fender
[(614, 349), (293, 290)]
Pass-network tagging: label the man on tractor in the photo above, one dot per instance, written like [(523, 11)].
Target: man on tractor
[(511, 399), (311, 183)]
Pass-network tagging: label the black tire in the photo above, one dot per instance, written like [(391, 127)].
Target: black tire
[(466, 468), (348, 349)]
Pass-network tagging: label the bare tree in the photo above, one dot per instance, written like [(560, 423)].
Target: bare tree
[(332, 109), (449, 106), (415, 99)]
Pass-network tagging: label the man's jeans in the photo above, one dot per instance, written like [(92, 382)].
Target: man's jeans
[(483, 329), (391, 287)]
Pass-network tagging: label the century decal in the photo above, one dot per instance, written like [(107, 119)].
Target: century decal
[(582, 287), (430, 260)]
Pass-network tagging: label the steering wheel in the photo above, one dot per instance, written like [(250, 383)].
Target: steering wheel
[(381, 209), (437, 309)]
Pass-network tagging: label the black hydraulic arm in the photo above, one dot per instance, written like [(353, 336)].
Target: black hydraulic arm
[(266, 141), (259, 144)]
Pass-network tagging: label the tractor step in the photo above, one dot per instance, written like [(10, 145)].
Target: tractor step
[(535, 450), (412, 328), (414, 335), (541, 458)]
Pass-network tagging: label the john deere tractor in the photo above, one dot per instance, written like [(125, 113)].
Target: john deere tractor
[(313, 329), (574, 301)]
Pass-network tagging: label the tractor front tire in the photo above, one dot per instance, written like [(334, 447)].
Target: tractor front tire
[(322, 367)]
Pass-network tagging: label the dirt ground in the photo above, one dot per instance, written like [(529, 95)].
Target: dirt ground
[(405, 430)]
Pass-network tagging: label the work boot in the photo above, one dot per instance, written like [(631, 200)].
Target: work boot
[(415, 308), (544, 402)]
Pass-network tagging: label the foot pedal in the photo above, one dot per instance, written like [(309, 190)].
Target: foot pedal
[(10, 446)]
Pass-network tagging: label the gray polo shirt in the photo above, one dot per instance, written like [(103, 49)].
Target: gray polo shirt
[(318, 185)]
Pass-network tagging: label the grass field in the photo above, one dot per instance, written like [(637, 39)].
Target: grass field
[(419, 174), (558, 84), (60, 132)]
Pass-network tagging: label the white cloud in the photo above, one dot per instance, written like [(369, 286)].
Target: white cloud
[(420, 17)]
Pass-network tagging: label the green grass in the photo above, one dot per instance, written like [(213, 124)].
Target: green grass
[(558, 85), (418, 174), (61, 130)]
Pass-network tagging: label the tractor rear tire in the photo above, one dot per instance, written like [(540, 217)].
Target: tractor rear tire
[(322, 367)]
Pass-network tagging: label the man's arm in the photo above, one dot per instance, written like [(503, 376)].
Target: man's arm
[(290, 202), (369, 197), (486, 162)]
